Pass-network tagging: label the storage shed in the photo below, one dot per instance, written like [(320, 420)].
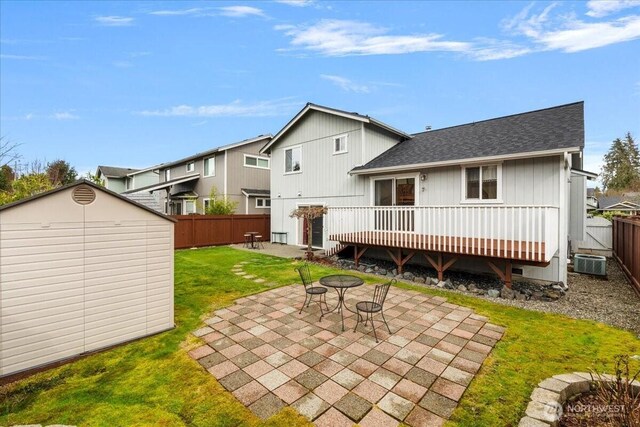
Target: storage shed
[(81, 268)]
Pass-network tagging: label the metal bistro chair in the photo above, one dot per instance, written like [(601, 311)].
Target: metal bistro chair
[(257, 240), (375, 306), (247, 241), (311, 290)]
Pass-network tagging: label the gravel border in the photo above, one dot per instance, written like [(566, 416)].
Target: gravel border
[(612, 301)]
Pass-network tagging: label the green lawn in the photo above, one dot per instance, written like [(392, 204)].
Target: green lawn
[(154, 382)]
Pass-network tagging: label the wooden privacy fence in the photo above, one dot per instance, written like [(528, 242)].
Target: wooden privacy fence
[(211, 230), (626, 247)]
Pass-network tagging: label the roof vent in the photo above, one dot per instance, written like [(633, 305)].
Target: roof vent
[(83, 195)]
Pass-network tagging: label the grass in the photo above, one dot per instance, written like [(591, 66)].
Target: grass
[(154, 382)]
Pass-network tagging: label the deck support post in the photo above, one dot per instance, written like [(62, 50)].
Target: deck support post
[(399, 260), (439, 266), (358, 254), (504, 276)]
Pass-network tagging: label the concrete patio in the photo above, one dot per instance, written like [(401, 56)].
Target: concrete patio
[(269, 356)]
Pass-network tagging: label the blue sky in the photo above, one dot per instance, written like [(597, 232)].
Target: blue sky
[(140, 83)]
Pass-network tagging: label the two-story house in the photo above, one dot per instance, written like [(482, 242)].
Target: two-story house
[(119, 179), (236, 171), (489, 196)]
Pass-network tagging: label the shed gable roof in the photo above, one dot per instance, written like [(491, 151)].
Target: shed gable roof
[(90, 184), (545, 130)]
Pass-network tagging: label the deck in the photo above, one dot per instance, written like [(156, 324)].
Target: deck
[(493, 248)]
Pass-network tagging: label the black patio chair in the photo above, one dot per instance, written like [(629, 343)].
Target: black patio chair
[(311, 290), (375, 306), (248, 243), (257, 239)]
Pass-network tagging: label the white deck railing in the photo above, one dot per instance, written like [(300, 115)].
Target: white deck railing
[(518, 232)]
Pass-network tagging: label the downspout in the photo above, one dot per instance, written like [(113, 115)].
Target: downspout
[(225, 175), (246, 204)]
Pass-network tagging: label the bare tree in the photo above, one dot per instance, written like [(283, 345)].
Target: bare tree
[(309, 213), (8, 151)]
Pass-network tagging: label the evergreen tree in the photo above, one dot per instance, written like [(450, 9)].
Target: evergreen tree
[(621, 170), (60, 172)]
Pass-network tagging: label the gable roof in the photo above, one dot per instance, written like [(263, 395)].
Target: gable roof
[(92, 185), (254, 192), (616, 203), (164, 184), (545, 131), (115, 171), (591, 192), (349, 115), (216, 150)]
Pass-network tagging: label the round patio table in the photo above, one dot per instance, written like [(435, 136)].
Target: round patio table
[(340, 282)]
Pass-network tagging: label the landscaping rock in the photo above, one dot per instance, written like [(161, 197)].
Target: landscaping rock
[(420, 280), (382, 272), (507, 293), (462, 288), (493, 293), (362, 268), (369, 270), (520, 296), (407, 275)]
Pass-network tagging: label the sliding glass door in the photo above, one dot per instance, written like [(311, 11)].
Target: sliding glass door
[(390, 192)]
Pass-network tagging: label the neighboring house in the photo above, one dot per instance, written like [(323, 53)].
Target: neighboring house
[(125, 179), (237, 171), (592, 200), (499, 191), (618, 203)]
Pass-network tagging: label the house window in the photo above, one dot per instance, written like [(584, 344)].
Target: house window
[(167, 174), (210, 166), (293, 160), (189, 207), (191, 166), (482, 182), (256, 162), (130, 182), (206, 203), (262, 203), (340, 144)]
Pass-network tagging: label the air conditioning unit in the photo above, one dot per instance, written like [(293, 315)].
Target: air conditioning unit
[(590, 264)]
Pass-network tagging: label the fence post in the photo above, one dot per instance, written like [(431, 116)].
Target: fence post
[(193, 230)]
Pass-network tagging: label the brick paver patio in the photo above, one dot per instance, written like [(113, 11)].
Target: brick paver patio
[(269, 356)]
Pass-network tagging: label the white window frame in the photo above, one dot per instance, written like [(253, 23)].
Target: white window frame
[(463, 194), (204, 167), (167, 174), (293, 147), (372, 184), (193, 166), (264, 201), (244, 162), (346, 139), (184, 207)]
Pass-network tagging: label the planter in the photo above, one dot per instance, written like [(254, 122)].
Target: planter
[(548, 399)]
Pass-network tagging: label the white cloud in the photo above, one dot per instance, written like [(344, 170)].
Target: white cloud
[(345, 84), (114, 21), (241, 11), (123, 64), (296, 3), (64, 115), (342, 38), (180, 12), (233, 109), (23, 57), (600, 8), (569, 34)]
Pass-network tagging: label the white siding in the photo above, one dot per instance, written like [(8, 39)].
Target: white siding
[(78, 278), (325, 176)]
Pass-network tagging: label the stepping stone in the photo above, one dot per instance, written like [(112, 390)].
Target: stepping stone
[(249, 276), (242, 273), (259, 281)]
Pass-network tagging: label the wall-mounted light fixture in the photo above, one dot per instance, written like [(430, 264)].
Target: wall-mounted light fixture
[(423, 177), (279, 195), (299, 193)]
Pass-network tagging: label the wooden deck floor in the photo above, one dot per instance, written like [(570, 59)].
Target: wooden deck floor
[(517, 250)]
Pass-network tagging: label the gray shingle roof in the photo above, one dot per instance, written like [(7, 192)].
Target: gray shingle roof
[(540, 130), (146, 199), (254, 192), (605, 202), (115, 171)]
